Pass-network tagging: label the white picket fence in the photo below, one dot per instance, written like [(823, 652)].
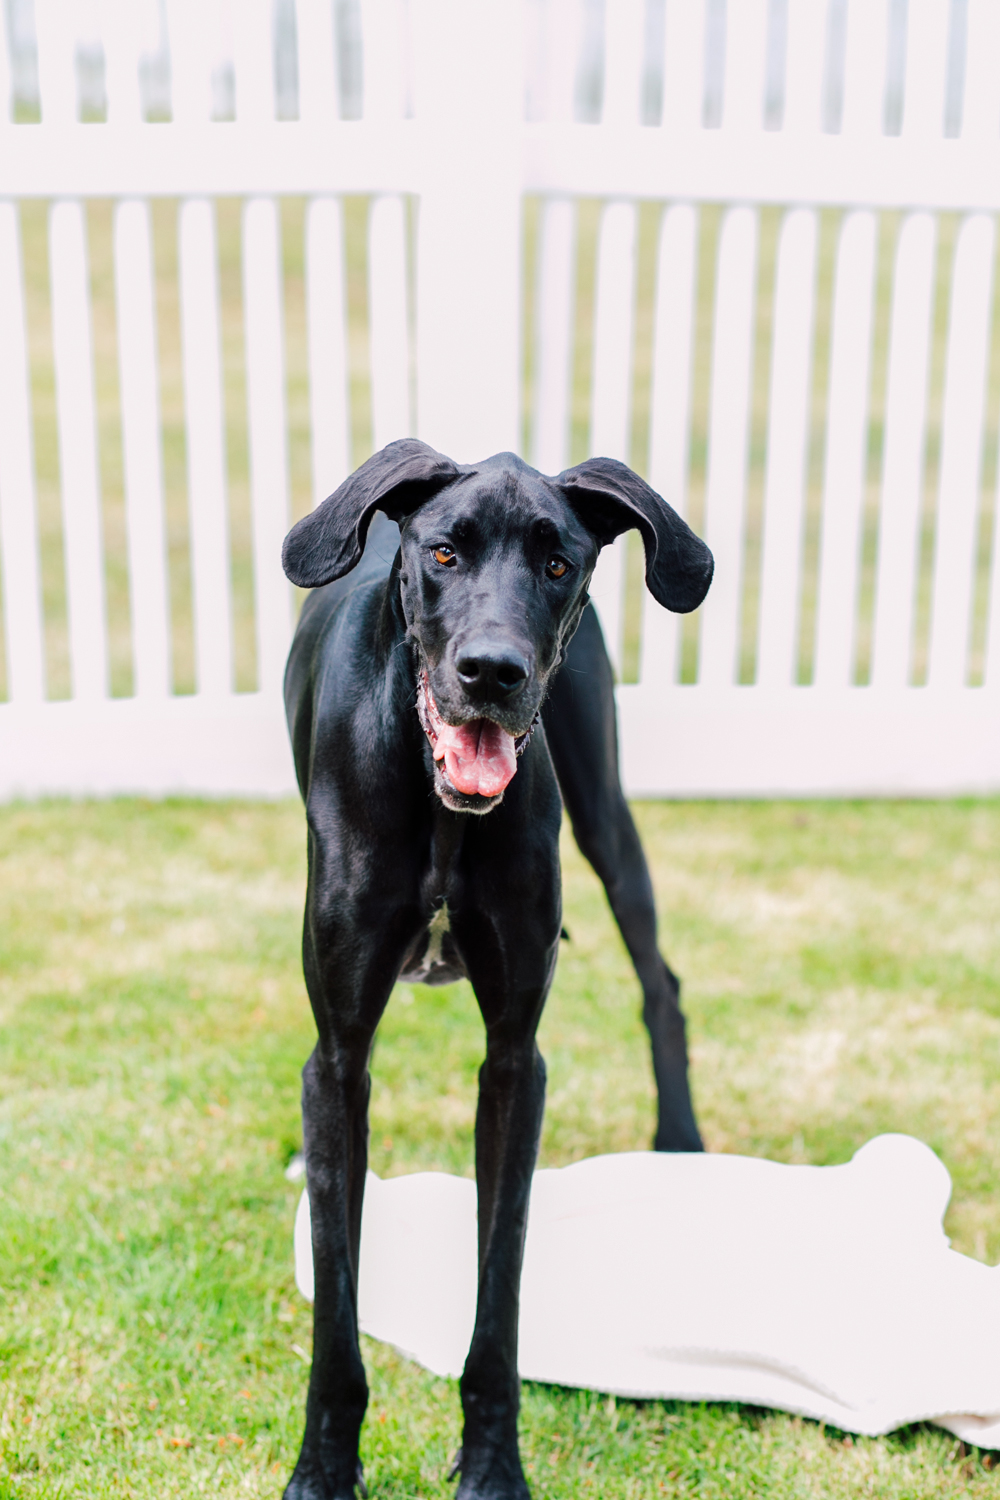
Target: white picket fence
[(469, 106)]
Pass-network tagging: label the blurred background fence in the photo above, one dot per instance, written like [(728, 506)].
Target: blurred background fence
[(748, 247)]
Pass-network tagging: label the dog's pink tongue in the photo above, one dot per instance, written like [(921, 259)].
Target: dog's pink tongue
[(478, 757)]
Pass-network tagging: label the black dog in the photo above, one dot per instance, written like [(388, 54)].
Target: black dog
[(415, 690)]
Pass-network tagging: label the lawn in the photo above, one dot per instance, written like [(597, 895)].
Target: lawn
[(842, 977)]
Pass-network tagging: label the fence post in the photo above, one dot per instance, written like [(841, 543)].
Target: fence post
[(469, 108)]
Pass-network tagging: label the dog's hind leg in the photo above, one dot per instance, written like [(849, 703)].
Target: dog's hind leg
[(580, 726), (350, 966)]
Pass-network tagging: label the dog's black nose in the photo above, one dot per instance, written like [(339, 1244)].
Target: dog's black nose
[(490, 672)]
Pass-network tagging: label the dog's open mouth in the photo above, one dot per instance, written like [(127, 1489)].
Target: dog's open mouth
[(479, 757)]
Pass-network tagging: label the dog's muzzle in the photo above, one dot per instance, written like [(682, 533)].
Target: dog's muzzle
[(479, 757)]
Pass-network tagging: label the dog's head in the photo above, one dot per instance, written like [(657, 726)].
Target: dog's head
[(495, 563)]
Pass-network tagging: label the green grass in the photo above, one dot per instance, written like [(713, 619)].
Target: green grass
[(842, 968)]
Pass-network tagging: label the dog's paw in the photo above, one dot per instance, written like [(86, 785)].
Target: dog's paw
[(490, 1476), (308, 1483), (314, 1487)]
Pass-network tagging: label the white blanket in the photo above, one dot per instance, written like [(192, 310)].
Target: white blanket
[(828, 1291)]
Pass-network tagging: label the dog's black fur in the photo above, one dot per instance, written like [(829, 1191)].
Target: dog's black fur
[(404, 882)]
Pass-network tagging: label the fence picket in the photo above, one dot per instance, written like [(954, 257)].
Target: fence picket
[(669, 414), (623, 38), (804, 55), (55, 35), (325, 304), (743, 101), (926, 59), (991, 675), (253, 48), (265, 366), (611, 414), (139, 385), (981, 100), (469, 98), (201, 345), (684, 65), (384, 59), (788, 433), (673, 331), (81, 502), (18, 523), (6, 81), (729, 415), (846, 450), (318, 91), (554, 303), (388, 323), (120, 38), (864, 68), (461, 70), (903, 465), (558, 40), (190, 63), (961, 452)]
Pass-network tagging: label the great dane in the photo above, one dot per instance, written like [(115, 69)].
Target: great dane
[(446, 682)]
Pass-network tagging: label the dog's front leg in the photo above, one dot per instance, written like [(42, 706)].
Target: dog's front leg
[(510, 949), (350, 965), (334, 1126), (508, 1126)]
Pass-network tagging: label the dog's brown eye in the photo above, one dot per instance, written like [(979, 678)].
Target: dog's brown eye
[(445, 556), (556, 567)]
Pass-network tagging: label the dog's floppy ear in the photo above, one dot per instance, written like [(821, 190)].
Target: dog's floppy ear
[(609, 499), (329, 542)]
